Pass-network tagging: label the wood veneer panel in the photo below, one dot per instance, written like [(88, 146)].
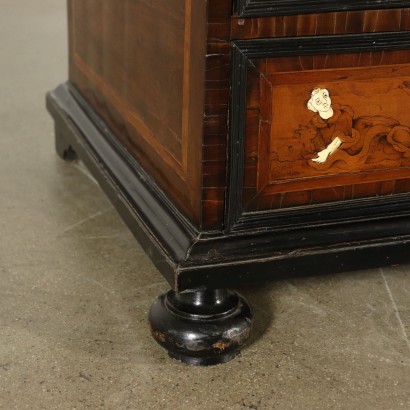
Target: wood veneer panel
[(373, 88), (141, 67), (258, 194), (217, 88), (352, 22)]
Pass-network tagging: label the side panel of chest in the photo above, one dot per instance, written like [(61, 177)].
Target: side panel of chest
[(140, 65)]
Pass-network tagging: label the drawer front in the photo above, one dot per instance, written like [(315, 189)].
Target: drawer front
[(264, 8), (319, 127)]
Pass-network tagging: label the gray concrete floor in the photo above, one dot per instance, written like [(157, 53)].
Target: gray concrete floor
[(75, 287)]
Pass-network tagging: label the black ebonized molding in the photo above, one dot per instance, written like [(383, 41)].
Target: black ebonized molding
[(163, 232), (265, 8), (327, 44), (342, 257), (242, 54)]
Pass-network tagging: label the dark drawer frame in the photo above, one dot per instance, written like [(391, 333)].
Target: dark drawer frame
[(242, 51), (264, 8)]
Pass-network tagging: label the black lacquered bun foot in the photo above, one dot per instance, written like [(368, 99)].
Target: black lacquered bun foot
[(201, 328)]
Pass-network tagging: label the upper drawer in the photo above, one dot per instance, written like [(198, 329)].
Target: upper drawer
[(265, 8)]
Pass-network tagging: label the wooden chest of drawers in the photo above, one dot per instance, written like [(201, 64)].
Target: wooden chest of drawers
[(242, 141)]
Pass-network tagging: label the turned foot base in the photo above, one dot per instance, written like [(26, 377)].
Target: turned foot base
[(203, 327)]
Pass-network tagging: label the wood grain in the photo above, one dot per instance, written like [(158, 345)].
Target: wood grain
[(277, 175), (215, 132), (222, 28), (370, 21), (163, 87), (146, 84)]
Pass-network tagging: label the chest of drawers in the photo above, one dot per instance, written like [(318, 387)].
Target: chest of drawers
[(240, 142)]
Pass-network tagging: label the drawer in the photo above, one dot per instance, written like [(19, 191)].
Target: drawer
[(319, 127), (265, 8)]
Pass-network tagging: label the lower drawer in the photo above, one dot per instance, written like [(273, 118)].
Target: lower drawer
[(318, 121)]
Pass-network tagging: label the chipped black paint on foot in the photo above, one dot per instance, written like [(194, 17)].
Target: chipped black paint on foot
[(201, 328)]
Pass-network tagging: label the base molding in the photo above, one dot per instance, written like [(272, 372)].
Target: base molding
[(161, 230), (191, 259)]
